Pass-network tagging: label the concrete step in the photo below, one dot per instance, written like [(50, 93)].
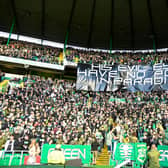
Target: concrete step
[(103, 158), (102, 163)]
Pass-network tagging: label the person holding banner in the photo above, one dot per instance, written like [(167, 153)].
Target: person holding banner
[(154, 155)]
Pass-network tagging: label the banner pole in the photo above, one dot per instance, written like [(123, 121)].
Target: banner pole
[(154, 46), (111, 43), (11, 29), (65, 44)]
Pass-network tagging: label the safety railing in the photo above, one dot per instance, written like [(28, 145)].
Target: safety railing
[(10, 155)]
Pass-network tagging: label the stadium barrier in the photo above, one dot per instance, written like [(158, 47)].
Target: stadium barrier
[(42, 166), (10, 158), (31, 63), (163, 155), (137, 154), (71, 152)]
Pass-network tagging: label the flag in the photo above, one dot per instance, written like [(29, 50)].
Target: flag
[(61, 57)]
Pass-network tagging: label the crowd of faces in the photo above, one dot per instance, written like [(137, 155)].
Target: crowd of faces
[(53, 111), (24, 50), (99, 57)]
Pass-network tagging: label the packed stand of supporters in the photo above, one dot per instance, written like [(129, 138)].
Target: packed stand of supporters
[(99, 57), (24, 50), (52, 111)]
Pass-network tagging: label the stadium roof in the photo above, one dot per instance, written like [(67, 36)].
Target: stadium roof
[(90, 23)]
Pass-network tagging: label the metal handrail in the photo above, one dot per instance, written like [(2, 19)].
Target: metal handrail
[(123, 163), (12, 156)]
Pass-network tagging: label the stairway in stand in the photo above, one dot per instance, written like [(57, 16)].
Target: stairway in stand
[(103, 158)]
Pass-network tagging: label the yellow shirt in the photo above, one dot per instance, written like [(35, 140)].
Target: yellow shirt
[(133, 139), (56, 157), (154, 158), (125, 140)]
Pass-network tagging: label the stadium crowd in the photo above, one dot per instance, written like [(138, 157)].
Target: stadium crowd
[(41, 110), (24, 50), (99, 57), (52, 111)]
